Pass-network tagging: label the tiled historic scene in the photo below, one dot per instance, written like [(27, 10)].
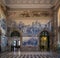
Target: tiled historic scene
[(29, 28)]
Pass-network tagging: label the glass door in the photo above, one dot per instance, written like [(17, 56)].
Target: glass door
[(44, 41)]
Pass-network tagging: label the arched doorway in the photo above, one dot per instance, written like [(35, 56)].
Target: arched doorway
[(15, 45), (44, 41)]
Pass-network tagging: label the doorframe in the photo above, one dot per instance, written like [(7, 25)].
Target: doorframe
[(20, 36), (48, 39)]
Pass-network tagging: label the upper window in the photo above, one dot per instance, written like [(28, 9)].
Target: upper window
[(15, 33), (59, 17)]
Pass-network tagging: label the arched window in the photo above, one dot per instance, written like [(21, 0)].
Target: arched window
[(59, 26), (59, 17), (15, 33)]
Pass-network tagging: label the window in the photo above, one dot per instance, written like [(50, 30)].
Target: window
[(15, 33), (59, 17), (58, 26)]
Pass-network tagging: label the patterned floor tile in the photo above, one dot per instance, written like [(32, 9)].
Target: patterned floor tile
[(27, 55)]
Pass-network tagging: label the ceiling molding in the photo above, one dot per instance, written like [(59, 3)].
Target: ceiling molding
[(34, 9), (29, 6), (30, 3), (57, 4)]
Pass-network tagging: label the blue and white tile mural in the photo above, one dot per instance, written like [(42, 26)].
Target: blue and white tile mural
[(3, 28), (3, 41), (3, 24), (33, 29), (30, 32), (30, 41)]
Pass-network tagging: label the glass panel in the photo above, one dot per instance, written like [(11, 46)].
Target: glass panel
[(44, 42), (14, 43), (18, 42)]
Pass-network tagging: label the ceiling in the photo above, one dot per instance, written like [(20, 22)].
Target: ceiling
[(29, 3)]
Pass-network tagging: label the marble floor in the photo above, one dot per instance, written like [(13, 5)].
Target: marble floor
[(29, 55)]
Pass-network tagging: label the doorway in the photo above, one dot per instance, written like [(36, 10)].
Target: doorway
[(44, 41), (15, 45)]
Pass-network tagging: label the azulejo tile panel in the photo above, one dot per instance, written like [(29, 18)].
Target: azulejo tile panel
[(30, 33)]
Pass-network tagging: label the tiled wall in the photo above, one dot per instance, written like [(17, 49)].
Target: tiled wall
[(3, 29)]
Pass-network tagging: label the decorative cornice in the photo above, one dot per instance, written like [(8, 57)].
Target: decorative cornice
[(29, 13)]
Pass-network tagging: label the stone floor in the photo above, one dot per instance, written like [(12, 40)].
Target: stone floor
[(29, 55)]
